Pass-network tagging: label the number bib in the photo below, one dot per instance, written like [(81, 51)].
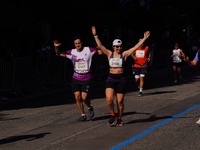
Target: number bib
[(81, 66), (115, 62), (176, 59), (139, 54)]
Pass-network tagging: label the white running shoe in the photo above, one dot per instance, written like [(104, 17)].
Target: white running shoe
[(198, 122)]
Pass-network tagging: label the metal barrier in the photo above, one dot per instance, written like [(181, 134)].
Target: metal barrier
[(6, 74), (19, 73), (27, 72)]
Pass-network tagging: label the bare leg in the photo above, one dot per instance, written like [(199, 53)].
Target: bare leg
[(109, 99), (137, 81), (85, 98), (120, 104), (110, 103), (79, 102), (141, 82), (175, 72), (179, 69)]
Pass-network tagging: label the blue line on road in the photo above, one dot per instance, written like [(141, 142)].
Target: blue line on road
[(152, 128)]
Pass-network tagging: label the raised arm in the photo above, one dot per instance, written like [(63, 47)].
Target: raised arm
[(57, 50), (99, 44), (131, 50)]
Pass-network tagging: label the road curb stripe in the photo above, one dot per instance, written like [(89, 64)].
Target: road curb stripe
[(152, 128)]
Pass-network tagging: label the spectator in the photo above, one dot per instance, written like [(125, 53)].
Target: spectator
[(45, 49), (193, 63)]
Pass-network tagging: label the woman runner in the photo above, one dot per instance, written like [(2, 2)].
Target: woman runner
[(116, 81)]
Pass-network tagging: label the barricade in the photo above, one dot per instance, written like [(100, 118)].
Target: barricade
[(28, 72)]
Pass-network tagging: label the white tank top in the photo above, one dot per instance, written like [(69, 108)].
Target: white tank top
[(116, 62), (176, 58)]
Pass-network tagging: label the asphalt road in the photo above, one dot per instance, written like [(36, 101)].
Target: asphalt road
[(163, 119)]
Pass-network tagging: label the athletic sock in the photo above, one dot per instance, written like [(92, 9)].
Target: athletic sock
[(119, 117), (112, 113)]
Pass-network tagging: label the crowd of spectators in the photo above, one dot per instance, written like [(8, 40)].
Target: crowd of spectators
[(10, 49)]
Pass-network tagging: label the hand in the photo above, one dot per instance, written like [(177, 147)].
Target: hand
[(180, 56), (94, 30), (186, 59), (146, 34), (98, 47), (56, 43)]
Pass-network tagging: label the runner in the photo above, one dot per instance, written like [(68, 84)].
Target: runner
[(141, 58), (116, 81), (82, 58), (177, 55)]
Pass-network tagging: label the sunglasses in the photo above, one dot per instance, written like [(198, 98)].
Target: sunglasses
[(118, 46)]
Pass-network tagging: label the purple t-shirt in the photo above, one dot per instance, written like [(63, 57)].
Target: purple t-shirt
[(82, 62), (196, 57)]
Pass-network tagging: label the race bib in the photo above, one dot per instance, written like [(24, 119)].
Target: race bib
[(81, 66), (176, 59), (115, 62), (139, 54)]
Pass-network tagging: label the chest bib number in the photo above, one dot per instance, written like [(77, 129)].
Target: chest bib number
[(81, 66), (115, 62), (140, 54), (176, 59)]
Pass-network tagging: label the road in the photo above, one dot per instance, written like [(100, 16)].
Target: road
[(163, 119)]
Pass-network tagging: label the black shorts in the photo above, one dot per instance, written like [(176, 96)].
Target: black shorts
[(138, 71), (177, 64), (83, 86), (117, 82)]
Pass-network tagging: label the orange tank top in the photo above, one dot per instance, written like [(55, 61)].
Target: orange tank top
[(141, 55)]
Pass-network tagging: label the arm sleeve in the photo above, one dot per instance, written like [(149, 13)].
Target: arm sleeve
[(197, 57), (68, 54), (92, 50)]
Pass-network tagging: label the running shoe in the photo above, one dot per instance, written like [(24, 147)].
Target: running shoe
[(82, 118), (198, 122), (119, 123), (90, 113), (140, 94), (111, 120), (175, 81)]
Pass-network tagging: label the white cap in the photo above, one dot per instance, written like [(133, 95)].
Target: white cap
[(117, 42)]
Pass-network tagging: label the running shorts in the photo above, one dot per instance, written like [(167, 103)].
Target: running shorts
[(138, 71), (82, 86), (117, 82)]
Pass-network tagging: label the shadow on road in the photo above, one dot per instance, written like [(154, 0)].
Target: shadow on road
[(23, 137), (150, 119), (124, 114)]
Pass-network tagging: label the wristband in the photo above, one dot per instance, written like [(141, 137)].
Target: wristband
[(95, 36)]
